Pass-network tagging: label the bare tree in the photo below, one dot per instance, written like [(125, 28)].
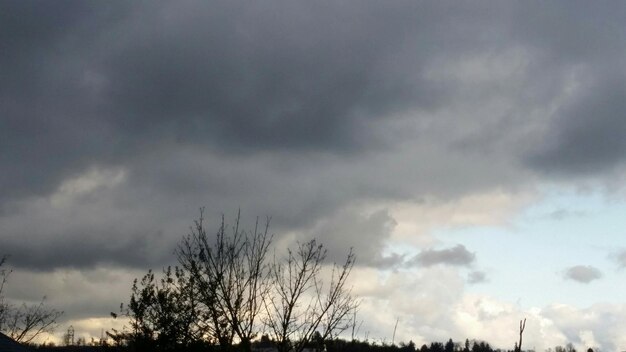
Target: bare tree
[(522, 326), (231, 278), (300, 308), (24, 323)]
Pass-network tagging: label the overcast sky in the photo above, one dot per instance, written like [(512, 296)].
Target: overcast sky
[(472, 153)]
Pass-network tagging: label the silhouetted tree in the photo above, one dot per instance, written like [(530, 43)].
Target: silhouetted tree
[(24, 323), (161, 313), (481, 346), (299, 304), (407, 347), (231, 278), (436, 347), (449, 347)]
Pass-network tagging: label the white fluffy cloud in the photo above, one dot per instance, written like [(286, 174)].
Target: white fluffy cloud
[(433, 304)]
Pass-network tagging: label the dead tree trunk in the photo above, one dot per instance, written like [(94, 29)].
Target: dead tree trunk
[(522, 326)]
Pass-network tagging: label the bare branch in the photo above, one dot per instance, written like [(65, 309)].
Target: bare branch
[(231, 274), (300, 308), (26, 322)]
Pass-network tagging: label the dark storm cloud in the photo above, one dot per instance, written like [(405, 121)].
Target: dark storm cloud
[(47, 130), (100, 85), (585, 43), (587, 138), (268, 76), (87, 251), (91, 83), (457, 256), (583, 274), (294, 110)]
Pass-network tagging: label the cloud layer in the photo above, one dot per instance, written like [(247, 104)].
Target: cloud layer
[(236, 104)]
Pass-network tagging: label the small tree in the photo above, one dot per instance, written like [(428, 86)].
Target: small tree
[(161, 313), (449, 346), (25, 322), (231, 277), (300, 307)]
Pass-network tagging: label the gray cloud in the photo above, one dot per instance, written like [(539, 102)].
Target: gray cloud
[(457, 256), (297, 111), (245, 79), (583, 274), (476, 277), (587, 135), (583, 135), (198, 103), (364, 234), (48, 129), (121, 80)]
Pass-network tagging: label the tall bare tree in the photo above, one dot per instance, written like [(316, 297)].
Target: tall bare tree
[(231, 277), (24, 322), (522, 326), (300, 309)]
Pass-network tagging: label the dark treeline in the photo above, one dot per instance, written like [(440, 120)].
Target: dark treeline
[(335, 345)]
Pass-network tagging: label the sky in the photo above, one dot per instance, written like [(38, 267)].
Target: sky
[(472, 154)]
